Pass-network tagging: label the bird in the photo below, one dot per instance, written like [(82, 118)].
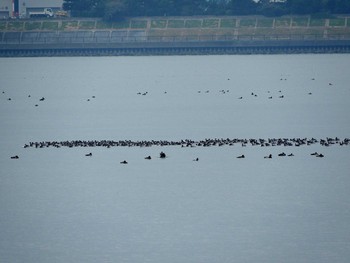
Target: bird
[(320, 155), (124, 162), (88, 154), (315, 153), (15, 157), (282, 154), (148, 157), (42, 99), (162, 155), (241, 156), (268, 157), (291, 154), (196, 160)]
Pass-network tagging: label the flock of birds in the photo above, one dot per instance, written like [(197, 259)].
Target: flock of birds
[(192, 143), (270, 142), (162, 155), (279, 95)]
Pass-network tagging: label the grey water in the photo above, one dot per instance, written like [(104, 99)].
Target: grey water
[(57, 205)]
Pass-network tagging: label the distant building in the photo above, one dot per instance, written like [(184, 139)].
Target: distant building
[(21, 8), (6, 8)]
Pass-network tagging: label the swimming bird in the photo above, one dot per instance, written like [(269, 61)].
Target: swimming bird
[(291, 154), (15, 157), (42, 99), (241, 156), (162, 155), (268, 157), (148, 157), (315, 153), (124, 162), (88, 154), (196, 160), (282, 154), (320, 155)]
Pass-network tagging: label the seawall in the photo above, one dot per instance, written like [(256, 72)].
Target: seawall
[(175, 36)]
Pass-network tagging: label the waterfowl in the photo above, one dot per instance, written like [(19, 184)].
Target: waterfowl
[(315, 153), (196, 160), (162, 155), (124, 162), (15, 157), (42, 99), (241, 156), (268, 157), (282, 154), (240, 98), (320, 155), (148, 157), (88, 154), (291, 154)]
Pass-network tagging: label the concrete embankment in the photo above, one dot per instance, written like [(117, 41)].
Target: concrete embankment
[(176, 48), (181, 48)]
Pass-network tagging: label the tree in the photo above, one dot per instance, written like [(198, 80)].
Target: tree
[(241, 7), (84, 7), (268, 8), (114, 9)]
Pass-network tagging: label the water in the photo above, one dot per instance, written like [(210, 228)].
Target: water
[(59, 206)]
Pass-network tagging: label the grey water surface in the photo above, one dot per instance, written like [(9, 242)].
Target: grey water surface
[(58, 205)]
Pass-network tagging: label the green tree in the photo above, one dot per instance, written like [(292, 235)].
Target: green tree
[(241, 7), (84, 7)]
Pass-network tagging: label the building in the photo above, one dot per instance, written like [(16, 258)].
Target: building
[(21, 8), (6, 8)]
